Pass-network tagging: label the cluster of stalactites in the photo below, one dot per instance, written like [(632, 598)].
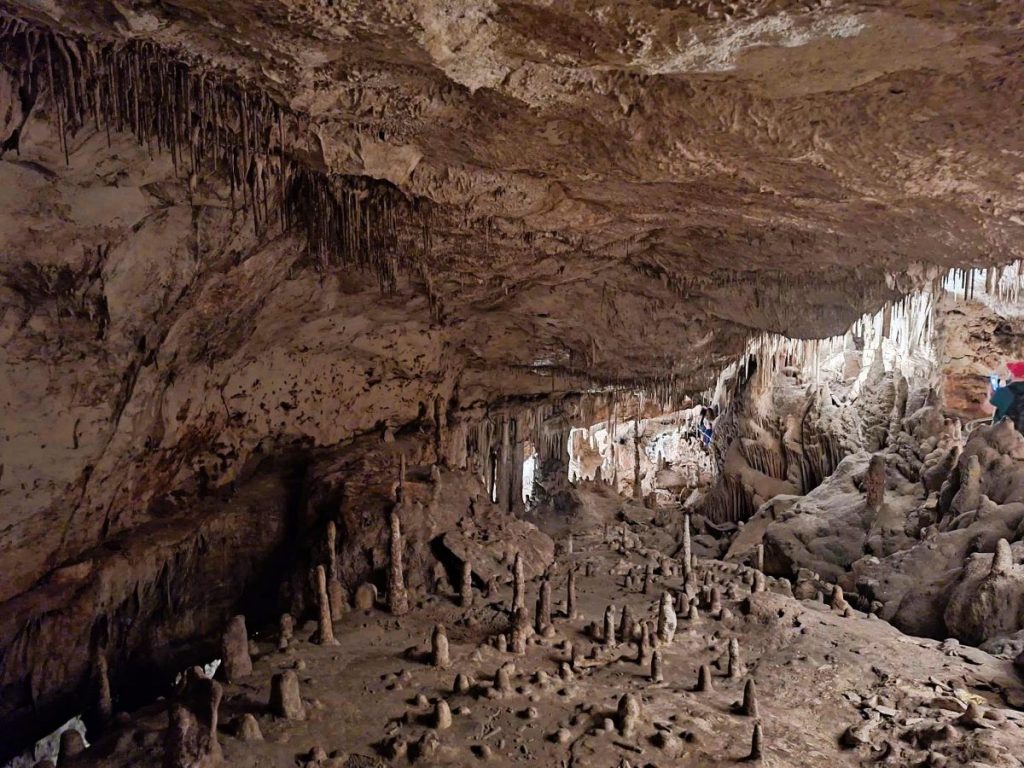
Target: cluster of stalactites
[(211, 123), (1005, 283)]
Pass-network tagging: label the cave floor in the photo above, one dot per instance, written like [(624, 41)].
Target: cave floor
[(817, 673)]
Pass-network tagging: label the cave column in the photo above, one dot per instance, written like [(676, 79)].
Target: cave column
[(516, 505), (637, 493), (504, 464)]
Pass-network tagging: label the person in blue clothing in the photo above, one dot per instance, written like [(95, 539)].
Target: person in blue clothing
[(1009, 398), (706, 426)]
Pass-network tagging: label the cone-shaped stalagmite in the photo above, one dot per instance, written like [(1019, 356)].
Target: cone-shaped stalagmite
[(466, 585), (704, 682), (235, 659), (756, 743), (643, 645), (439, 648), (609, 626), (625, 630), (285, 631), (657, 668), (285, 700), (629, 714), (442, 715), (543, 617), (503, 678), (325, 630), (667, 620), (735, 663), (749, 706), (398, 597)]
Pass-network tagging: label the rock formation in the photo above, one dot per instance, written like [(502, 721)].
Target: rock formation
[(308, 302)]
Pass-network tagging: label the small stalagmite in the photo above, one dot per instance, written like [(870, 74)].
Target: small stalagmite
[(1002, 560), (682, 604), (439, 656), (704, 682), (874, 482), (248, 728), (325, 630), (466, 585), (759, 558), (335, 592), (643, 645), (838, 601), (442, 715), (629, 715), (503, 678), (749, 706), (518, 583), (570, 594), (398, 596), (657, 668), (714, 601), (285, 700), (462, 684), (757, 743), (667, 621), (625, 631), (543, 616), (648, 578), (735, 663), (760, 583), (234, 649), (609, 626), (285, 631)]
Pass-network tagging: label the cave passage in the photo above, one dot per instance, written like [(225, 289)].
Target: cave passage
[(449, 384)]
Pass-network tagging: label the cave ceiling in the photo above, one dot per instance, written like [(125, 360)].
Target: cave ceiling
[(607, 192)]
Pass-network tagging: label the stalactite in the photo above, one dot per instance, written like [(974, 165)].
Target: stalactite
[(170, 105)]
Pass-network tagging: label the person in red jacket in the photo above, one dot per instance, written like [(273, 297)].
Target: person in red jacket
[(1009, 398)]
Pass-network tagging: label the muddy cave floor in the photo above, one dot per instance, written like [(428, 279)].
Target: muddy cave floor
[(832, 690)]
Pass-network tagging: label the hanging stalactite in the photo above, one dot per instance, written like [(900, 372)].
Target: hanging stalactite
[(212, 123)]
